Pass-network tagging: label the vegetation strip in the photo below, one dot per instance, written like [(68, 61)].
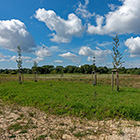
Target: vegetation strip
[(73, 98)]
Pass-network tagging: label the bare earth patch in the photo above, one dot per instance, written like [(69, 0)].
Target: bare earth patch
[(23, 123)]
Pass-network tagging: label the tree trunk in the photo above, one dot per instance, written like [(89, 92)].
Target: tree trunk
[(35, 74), (20, 77)]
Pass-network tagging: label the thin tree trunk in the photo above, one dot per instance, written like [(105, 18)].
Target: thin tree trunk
[(20, 77), (35, 74)]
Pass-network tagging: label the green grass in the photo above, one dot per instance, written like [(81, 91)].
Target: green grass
[(73, 98)]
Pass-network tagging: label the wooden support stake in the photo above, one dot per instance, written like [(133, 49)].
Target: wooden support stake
[(117, 79), (95, 78), (92, 78), (22, 77), (35, 76), (112, 80)]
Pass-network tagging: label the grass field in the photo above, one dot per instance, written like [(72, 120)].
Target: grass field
[(74, 95)]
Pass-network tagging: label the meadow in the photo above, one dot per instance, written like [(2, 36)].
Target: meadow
[(74, 95)]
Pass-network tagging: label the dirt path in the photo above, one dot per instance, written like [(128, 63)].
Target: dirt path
[(21, 123)]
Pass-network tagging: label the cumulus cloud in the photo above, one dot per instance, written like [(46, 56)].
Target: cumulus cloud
[(64, 29), (37, 59), (112, 6), (4, 58), (125, 19), (58, 61), (73, 57), (54, 48), (13, 33), (101, 55), (43, 52), (82, 10), (134, 46), (14, 58)]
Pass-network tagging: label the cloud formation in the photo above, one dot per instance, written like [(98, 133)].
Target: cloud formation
[(13, 33), (58, 61), (70, 56), (37, 59), (125, 19), (14, 58), (100, 55), (134, 46), (82, 10), (43, 52), (64, 29)]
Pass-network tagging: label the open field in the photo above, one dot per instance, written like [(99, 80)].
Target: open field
[(126, 80), (73, 96)]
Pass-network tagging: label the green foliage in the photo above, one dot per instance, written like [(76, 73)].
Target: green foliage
[(34, 68), (48, 68), (53, 72), (19, 61), (117, 56), (13, 72), (76, 99)]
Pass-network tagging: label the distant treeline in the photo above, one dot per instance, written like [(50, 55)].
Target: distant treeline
[(84, 69)]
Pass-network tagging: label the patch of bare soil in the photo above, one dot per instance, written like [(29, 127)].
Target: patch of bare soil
[(21, 123)]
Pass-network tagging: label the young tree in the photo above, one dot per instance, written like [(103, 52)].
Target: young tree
[(117, 59), (19, 63), (117, 56)]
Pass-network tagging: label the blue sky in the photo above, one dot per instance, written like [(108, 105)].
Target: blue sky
[(68, 32)]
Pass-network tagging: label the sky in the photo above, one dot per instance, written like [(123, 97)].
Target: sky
[(68, 32)]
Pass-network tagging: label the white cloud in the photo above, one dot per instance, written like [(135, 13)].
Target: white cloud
[(82, 10), (112, 6), (125, 19), (65, 29), (100, 55), (43, 52), (86, 51), (104, 44), (29, 61), (37, 59), (58, 61), (134, 46), (14, 58), (73, 57), (3, 60), (13, 33), (90, 58), (53, 48)]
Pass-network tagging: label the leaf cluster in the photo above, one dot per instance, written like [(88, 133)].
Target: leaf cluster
[(19, 61), (117, 56)]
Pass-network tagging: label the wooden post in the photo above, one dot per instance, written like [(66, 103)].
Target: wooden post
[(95, 78), (117, 79), (22, 77), (112, 80), (35, 76), (92, 78)]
